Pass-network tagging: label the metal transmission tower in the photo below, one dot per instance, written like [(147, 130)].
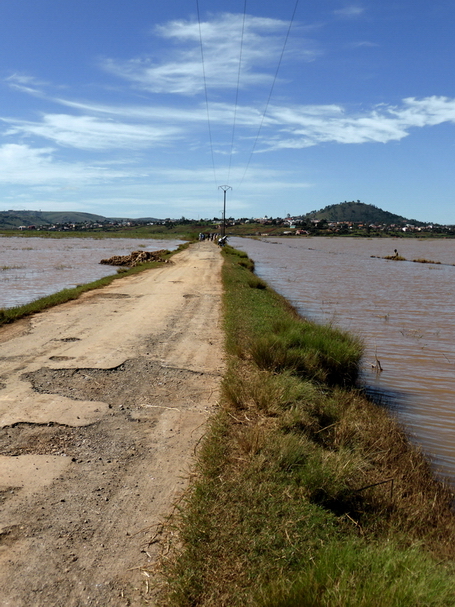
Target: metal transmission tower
[(225, 188)]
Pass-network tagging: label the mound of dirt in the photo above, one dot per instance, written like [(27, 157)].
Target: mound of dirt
[(135, 258)]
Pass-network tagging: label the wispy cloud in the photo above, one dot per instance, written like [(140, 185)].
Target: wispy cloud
[(38, 150), (429, 111), (220, 113), (306, 126), (25, 83), (362, 44), (90, 133), (349, 12), (284, 126), (182, 71), (22, 164)]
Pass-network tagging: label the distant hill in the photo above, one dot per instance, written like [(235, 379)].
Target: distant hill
[(14, 219), (9, 220), (359, 212), (136, 219)]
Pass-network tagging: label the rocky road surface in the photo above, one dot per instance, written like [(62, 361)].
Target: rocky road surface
[(102, 404)]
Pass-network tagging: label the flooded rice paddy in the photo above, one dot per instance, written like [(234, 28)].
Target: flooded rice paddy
[(31, 268), (404, 311)]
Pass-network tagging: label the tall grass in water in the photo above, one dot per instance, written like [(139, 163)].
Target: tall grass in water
[(308, 350), (306, 493)]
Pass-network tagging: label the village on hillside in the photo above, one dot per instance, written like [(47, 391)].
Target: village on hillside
[(344, 219)]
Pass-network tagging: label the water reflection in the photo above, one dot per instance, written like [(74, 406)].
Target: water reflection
[(403, 311)]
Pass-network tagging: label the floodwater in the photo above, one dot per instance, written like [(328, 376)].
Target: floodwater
[(31, 268), (403, 311)]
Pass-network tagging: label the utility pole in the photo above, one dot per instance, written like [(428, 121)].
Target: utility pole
[(225, 188)]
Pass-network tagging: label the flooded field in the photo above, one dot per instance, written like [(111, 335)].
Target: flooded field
[(404, 311), (31, 268)]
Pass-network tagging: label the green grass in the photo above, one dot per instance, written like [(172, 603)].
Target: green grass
[(423, 260), (305, 492), (395, 257), (6, 268), (362, 575)]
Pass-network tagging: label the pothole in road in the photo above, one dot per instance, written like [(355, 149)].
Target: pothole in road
[(81, 443), (136, 382), (136, 391), (8, 535)]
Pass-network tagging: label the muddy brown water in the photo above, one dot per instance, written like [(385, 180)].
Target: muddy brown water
[(31, 268), (403, 311)]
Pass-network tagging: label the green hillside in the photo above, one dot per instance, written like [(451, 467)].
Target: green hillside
[(10, 220), (14, 219), (359, 212)]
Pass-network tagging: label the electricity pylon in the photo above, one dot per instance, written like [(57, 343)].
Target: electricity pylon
[(225, 188)]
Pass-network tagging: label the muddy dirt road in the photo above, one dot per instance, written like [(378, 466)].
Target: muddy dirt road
[(102, 402)]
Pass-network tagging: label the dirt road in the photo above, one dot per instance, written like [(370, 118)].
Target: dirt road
[(102, 402)]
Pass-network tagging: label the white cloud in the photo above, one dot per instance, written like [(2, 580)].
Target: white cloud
[(362, 44), (20, 161), (183, 73), (220, 113), (428, 111), (25, 83), (89, 133), (350, 11), (305, 126), (283, 126), (289, 126), (24, 165)]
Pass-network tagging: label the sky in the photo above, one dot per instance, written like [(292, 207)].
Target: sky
[(145, 108)]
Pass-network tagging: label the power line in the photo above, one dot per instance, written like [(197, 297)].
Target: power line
[(237, 93), (237, 89), (271, 91), (205, 90)]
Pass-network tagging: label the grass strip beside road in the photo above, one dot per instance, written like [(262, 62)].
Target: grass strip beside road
[(306, 493)]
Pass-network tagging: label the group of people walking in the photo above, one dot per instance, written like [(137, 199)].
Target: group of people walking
[(214, 237)]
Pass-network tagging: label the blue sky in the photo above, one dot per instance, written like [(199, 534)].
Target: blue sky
[(107, 107)]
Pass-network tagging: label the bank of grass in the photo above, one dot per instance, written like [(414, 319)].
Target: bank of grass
[(395, 257), (8, 315), (423, 260), (306, 494)]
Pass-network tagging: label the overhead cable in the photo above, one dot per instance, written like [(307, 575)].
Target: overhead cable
[(271, 91), (237, 90), (205, 91)]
